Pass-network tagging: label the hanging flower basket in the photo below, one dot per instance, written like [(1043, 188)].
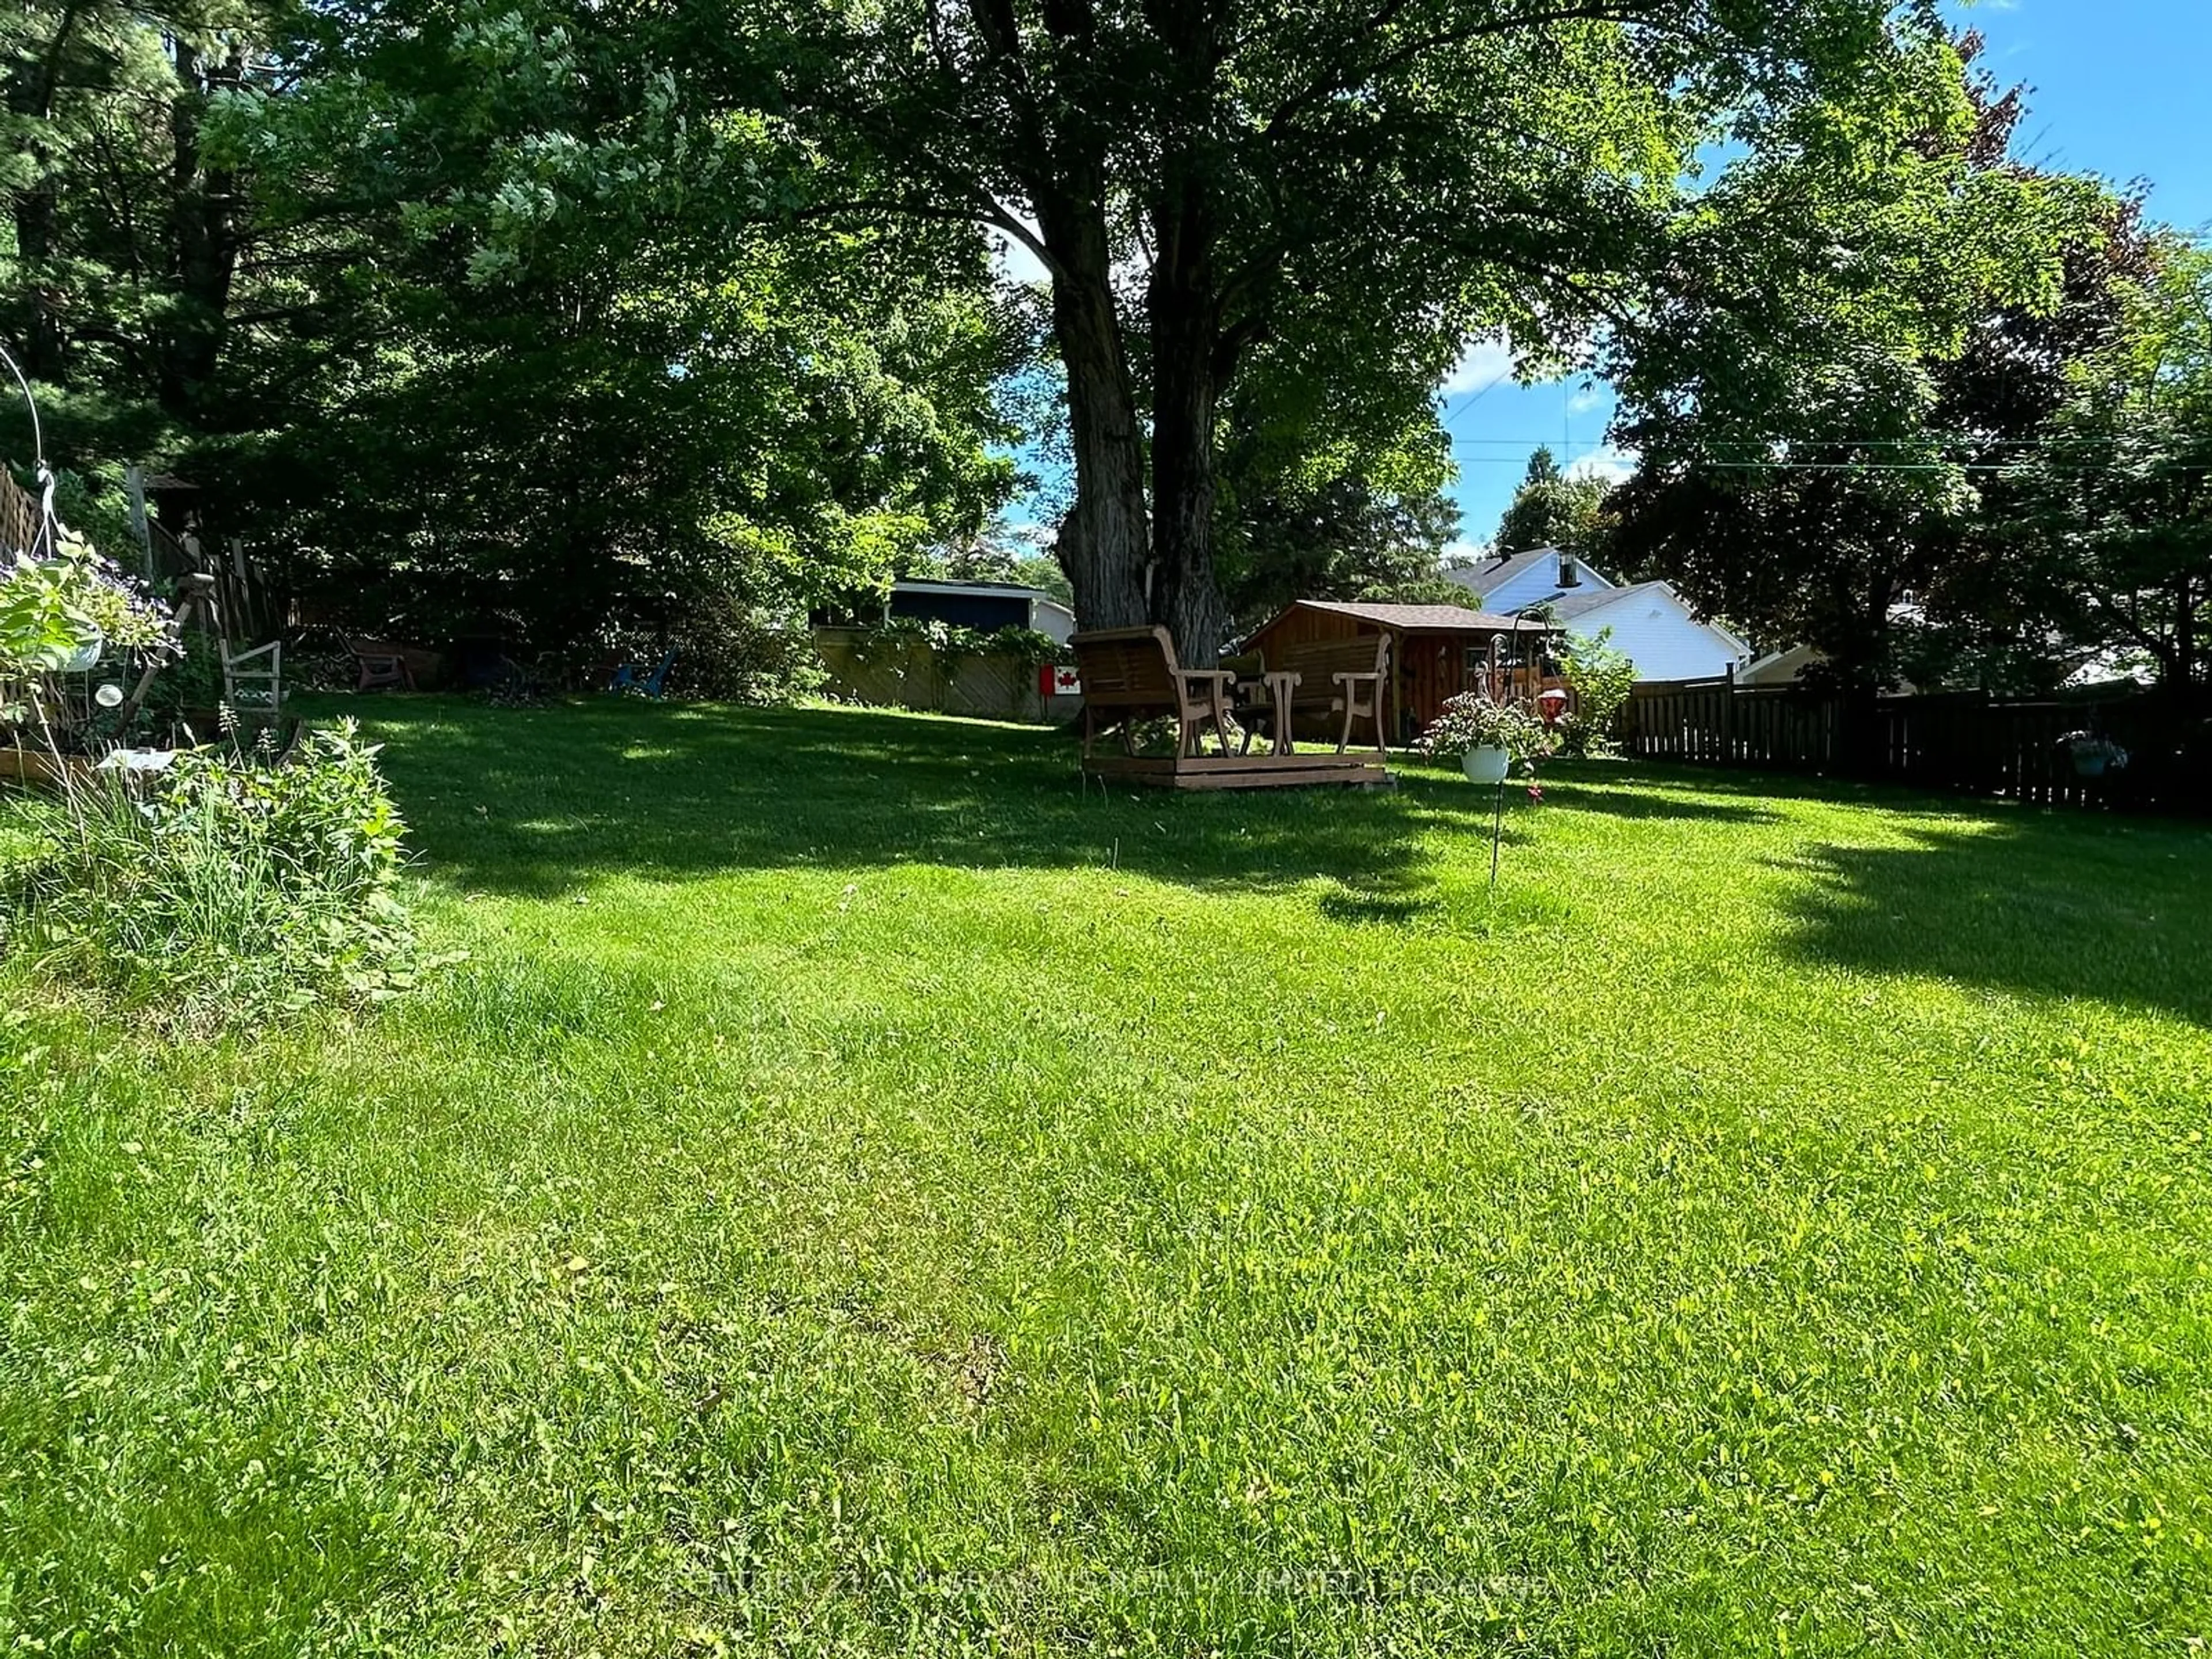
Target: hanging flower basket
[(1486, 764), (1486, 737), (2092, 756)]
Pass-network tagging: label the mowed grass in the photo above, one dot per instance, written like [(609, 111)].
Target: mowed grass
[(863, 1195)]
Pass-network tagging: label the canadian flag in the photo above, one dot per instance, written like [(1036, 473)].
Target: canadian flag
[(1056, 682)]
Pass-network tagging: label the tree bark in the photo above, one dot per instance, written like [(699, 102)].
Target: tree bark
[(1183, 301), (204, 250), (1103, 546)]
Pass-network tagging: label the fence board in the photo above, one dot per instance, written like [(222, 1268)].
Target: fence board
[(1964, 742), (906, 674)]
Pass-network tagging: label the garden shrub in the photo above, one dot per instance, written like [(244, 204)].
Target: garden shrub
[(230, 890), (1602, 676), (733, 650), (950, 644)]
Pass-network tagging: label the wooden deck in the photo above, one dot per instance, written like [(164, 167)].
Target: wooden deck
[(1357, 770)]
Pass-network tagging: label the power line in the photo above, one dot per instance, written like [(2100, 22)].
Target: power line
[(1870, 466), (1822, 443)]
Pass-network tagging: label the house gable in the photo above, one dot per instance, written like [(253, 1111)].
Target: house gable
[(1653, 624), (1528, 579)]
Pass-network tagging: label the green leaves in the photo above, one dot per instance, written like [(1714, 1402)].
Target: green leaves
[(1551, 510), (42, 622), (52, 609), (1865, 318), (233, 890)]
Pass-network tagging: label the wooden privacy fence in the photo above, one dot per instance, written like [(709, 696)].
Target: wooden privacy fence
[(1962, 741), (905, 673)]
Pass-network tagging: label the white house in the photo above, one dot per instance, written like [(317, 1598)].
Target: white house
[(1651, 622)]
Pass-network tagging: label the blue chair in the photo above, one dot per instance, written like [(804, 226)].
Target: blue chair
[(629, 678)]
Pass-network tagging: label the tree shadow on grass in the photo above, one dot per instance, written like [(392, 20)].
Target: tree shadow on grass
[(1662, 779), (2053, 904), (535, 802), (1619, 803)]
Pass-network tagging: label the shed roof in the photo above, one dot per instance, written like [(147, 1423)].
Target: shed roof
[(1423, 618), (1006, 590)]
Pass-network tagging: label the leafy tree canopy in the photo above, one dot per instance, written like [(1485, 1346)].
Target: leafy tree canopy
[(1364, 184), (464, 317), (1808, 430), (1550, 510)]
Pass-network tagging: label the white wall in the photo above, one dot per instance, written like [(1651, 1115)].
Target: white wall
[(1540, 582), (1051, 616), (1660, 635)]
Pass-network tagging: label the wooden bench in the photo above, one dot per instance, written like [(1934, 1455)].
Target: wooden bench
[(381, 664), (1131, 674), (1339, 676)]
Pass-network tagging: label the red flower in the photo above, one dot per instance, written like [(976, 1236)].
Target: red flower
[(1535, 792)]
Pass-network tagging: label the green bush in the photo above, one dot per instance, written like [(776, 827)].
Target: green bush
[(950, 643), (732, 650), (232, 889), (1602, 676)]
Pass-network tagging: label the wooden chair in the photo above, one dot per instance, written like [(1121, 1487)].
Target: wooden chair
[(1131, 674), (253, 682), (1346, 676), (380, 665)]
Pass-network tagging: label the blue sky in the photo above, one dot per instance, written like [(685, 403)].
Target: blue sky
[(2116, 87)]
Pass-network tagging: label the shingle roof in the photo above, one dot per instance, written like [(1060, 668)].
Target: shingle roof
[(1420, 619), (1568, 606), (928, 584), (1482, 578)]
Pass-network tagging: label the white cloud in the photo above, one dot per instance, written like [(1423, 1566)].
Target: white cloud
[(1613, 465), (1481, 366), (1459, 555), (1585, 399)]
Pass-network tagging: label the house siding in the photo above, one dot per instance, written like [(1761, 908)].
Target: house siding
[(1052, 619), (1522, 588), (1660, 636)]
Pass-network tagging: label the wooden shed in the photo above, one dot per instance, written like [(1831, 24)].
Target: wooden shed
[(1437, 651)]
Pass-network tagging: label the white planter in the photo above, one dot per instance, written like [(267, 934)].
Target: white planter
[(1486, 765)]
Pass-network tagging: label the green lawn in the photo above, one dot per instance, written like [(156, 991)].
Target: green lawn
[(862, 1195)]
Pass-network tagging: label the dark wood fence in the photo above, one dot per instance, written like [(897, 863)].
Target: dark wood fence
[(1964, 742)]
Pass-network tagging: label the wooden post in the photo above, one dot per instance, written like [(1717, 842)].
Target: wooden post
[(134, 491)]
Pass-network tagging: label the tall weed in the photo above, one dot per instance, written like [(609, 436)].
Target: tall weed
[(231, 890)]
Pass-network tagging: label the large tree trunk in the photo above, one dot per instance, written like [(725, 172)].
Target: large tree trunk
[(205, 246), (1184, 305), (1103, 546)]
